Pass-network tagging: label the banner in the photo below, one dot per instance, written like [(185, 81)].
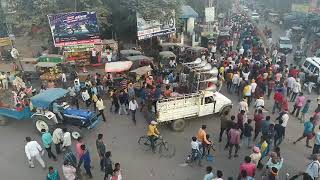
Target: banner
[(74, 28), (209, 12), (151, 28)]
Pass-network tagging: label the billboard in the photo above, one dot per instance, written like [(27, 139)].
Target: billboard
[(74, 28), (150, 28)]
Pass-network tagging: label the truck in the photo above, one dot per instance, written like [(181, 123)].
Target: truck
[(175, 110)]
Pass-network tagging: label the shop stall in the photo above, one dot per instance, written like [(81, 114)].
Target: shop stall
[(49, 71)]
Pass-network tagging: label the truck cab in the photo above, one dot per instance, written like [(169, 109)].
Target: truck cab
[(212, 103)]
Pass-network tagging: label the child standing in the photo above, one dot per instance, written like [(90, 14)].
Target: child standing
[(304, 111), (248, 132)]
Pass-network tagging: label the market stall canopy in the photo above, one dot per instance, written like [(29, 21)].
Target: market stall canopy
[(51, 58), (142, 70), (139, 58), (188, 12), (46, 64), (44, 99), (118, 66)]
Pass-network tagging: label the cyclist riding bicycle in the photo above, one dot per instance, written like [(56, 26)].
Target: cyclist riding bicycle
[(153, 134)]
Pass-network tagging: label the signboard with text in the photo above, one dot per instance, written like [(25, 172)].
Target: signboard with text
[(209, 12), (151, 28), (74, 28)]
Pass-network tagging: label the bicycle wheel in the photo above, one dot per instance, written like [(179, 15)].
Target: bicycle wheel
[(145, 143), (167, 150)]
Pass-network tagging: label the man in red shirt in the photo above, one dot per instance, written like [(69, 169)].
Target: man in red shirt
[(249, 167), (234, 140), (258, 117), (294, 72), (278, 99)]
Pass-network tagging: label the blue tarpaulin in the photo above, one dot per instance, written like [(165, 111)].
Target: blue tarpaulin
[(188, 12), (44, 99)]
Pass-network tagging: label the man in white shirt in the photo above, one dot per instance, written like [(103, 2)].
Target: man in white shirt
[(33, 150), (133, 106), (295, 90), (100, 107), (195, 150), (66, 139), (86, 97), (64, 80), (259, 103), (313, 167), (290, 81), (241, 50), (4, 81), (235, 82), (57, 138)]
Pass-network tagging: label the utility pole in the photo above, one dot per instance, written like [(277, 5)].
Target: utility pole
[(75, 5)]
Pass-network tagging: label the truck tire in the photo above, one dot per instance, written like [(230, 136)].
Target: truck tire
[(225, 109), (42, 122), (178, 125)]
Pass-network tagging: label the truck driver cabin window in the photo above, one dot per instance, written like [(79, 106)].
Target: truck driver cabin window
[(208, 100)]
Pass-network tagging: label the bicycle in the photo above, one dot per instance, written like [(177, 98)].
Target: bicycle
[(165, 149)]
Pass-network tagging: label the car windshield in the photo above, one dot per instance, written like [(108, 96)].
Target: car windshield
[(285, 42)]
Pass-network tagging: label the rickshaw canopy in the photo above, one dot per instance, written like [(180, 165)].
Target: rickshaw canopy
[(130, 52), (51, 58), (44, 99), (46, 64), (139, 58), (118, 66), (167, 54)]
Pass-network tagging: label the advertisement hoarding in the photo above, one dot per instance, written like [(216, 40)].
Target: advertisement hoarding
[(151, 28), (74, 28)]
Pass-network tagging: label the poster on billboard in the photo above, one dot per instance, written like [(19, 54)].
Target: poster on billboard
[(74, 28), (151, 28)]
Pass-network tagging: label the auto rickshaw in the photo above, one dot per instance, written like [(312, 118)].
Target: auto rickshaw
[(139, 61), (167, 60), (297, 33), (194, 52)]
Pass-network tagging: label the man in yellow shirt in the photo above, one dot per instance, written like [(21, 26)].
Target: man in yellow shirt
[(153, 134)]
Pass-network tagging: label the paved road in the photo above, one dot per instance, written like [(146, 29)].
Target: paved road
[(121, 138)]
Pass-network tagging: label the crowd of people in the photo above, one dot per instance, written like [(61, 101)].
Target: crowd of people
[(251, 70)]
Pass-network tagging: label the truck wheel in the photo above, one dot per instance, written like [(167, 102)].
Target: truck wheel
[(42, 122), (225, 109), (178, 125)]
